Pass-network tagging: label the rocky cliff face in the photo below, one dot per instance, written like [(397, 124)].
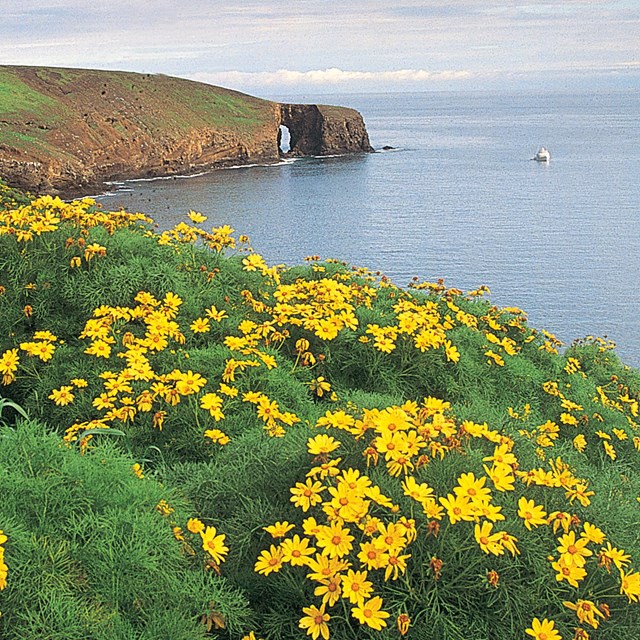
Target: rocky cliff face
[(318, 130), (70, 130)]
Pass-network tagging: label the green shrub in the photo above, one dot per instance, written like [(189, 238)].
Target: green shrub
[(89, 555)]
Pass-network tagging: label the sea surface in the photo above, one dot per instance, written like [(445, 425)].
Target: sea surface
[(457, 198)]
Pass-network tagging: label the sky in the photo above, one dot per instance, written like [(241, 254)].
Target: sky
[(291, 47)]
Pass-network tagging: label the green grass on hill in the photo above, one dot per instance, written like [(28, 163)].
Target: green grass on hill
[(17, 98), (217, 448)]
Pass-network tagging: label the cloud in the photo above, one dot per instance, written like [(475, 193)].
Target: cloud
[(329, 78)]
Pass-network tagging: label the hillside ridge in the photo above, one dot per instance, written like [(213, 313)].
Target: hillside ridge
[(71, 130)]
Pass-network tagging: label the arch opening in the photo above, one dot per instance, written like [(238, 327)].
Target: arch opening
[(284, 139)]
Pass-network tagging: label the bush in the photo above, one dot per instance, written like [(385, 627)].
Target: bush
[(89, 553), (451, 462)]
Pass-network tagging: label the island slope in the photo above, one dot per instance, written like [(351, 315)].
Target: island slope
[(70, 130)]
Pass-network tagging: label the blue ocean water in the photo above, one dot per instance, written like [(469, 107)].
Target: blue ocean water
[(458, 198)]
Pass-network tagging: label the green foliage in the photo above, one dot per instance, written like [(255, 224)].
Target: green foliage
[(89, 555), (283, 353)]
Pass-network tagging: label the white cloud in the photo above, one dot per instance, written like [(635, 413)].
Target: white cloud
[(325, 78)]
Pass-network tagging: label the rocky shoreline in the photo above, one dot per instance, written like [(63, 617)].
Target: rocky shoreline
[(70, 131)]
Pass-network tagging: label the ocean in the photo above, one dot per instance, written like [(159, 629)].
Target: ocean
[(458, 197)]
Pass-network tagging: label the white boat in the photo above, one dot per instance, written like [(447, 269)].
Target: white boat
[(542, 156)]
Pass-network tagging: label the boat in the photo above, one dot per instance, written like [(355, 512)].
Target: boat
[(542, 156)]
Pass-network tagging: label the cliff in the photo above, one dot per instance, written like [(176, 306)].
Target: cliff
[(70, 130)]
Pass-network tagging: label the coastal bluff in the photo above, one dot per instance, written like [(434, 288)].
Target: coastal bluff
[(69, 131)]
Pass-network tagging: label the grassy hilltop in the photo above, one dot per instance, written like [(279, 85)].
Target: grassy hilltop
[(74, 128), (70, 130), (33, 98), (195, 444)]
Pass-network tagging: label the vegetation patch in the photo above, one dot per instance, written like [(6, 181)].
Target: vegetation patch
[(17, 98), (216, 447)]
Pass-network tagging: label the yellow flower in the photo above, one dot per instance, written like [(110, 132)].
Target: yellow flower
[(497, 359), (458, 508), (580, 493), (394, 564), (371, 555), (137, 470), (200, 325), (403, 622), (296, 551), (225, 389), (630, 585), (196, 217), (62, 396), (215, 314), (613, 555), (194, 525), (315, 622), (451, 352), (559, 519), (501, 475), (489, 542), (307, 495), (569, 572), (573, 551), (279, 529), (269, 561), (355, 586), (592, 533), (325, 469), (335, 539), (214, 545), (621, 434), (99, 348), (189, 383), (322, 567), (320, 386), (471, 488), (217, 436), (370, 613), (544, 630), (531, 513), (586, 612), (164, 508), (322, 444), (502, 455), (330, 590), (254, 262), (580, 442), (9, 361), (171, 303), (212, 403)]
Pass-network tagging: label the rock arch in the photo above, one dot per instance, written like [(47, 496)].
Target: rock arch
[(317, 130)]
